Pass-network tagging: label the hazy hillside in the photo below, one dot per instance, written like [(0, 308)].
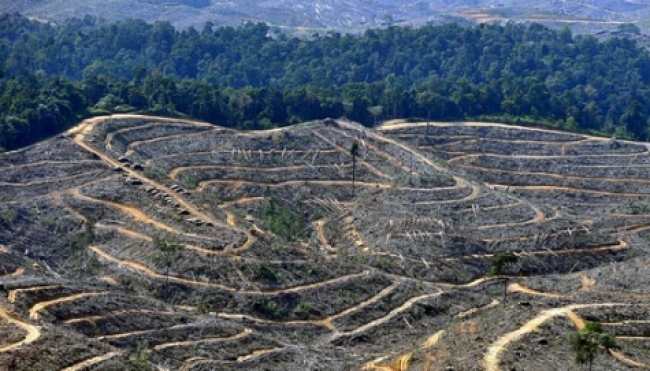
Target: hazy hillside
[(347, 15), (134, 242)]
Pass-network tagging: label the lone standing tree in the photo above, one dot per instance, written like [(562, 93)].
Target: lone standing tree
[(354, 152), (168, 252), (497, 262), (589, 341)]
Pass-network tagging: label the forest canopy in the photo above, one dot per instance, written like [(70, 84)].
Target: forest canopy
[(254, 77)]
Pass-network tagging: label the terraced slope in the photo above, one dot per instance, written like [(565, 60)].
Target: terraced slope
[(282, 263), (597, 183)]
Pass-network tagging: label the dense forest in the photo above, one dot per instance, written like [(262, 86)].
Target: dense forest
[(256, 77)]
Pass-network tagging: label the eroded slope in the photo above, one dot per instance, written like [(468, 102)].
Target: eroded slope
[(283, 262)]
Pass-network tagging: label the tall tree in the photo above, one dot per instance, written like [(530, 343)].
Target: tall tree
[(354, 152), (497, 262), (590, 341), (427, 100), (168, 253)]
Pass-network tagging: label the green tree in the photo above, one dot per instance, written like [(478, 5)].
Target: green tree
[(427, 100), (635, 120), (497, 262), (168, 253), (590, 341), (375, 111), (354, 152)]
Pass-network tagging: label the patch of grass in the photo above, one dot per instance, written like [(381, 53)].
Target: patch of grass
[(304, 310), (155, 172), (381, 262), (139, 360), (267, 308), (266, 272), (283, 221), (212, 198), (188, 180), (636, 208), (48, 221), (440, 161), (83, 240), (8, 217)]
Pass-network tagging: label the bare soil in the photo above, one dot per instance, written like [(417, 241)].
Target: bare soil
[(284, 265)]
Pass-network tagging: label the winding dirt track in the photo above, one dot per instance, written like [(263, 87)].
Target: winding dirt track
[(380, 321), (621, 245), (134, 212), (188, 343), (34, 311), (140, 216), (33, 332), (243, 200), (122, 335), (91, 362), (327, 322), (557, 176), (570, 189), (133, 146), (257, 354), (196, 361), (110, 136), (401, 124), (17, 272), (630, 362), (515, 287), (203, 184), (13, 293), (464, 155), (174, 174), (473, 311), (92, 319), (87, 127), (493, 354), (153, 274), (433, 340)]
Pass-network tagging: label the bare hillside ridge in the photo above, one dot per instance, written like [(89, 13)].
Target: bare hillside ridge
[(284, 264)]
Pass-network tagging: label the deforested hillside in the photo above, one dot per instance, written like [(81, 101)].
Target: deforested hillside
[(137, 242)]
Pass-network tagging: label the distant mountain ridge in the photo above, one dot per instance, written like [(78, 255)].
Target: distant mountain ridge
[(351, 15)]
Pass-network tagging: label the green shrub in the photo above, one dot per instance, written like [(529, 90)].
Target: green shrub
[(155, 172), (139, 361), (497, 262), (266, 271), (83, 240), (304, 310), (8, 217), (283, 221), (267, 308)]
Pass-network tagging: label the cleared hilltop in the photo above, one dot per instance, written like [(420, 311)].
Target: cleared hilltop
[(133, 239)]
